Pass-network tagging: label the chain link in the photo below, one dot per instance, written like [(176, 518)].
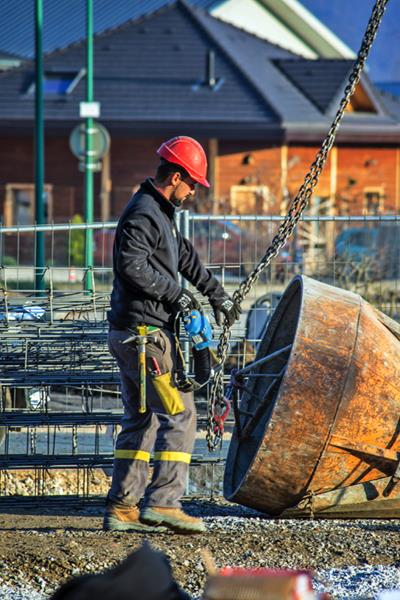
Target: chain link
[(285, 230)]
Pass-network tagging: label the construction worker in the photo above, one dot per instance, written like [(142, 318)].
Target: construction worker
[(149, 253)]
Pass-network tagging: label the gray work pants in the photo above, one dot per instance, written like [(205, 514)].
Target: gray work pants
[(170, 436)]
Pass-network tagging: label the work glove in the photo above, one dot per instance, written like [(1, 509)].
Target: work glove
[(186, 301), (225, 304)]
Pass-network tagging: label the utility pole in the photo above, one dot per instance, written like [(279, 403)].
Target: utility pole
[(88, 146), (39, 151)]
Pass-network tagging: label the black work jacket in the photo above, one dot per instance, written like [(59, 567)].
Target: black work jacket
[(148, 254)]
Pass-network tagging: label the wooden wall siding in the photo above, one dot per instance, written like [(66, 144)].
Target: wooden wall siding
[(61, 164), (16, 160), (133, 160), (120, 196), (238, 163), (360, 168), (64, 203), (61, 171), (299, 162), (241, 163)]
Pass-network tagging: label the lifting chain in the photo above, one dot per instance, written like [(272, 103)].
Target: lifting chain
[(285, 230)]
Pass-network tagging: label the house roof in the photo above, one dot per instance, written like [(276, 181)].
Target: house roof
[(150, 79), (64, 23), (319, 80), (148, 72), (9, 56), (391, 103)]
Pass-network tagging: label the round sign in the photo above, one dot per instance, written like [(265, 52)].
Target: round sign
[(100, 141)]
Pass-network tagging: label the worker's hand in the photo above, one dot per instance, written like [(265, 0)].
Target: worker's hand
[(225, 304), (185, 301)]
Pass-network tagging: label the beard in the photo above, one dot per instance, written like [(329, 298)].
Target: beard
[(178, 203)]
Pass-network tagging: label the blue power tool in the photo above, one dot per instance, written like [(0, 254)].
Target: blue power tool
[(198, 328)]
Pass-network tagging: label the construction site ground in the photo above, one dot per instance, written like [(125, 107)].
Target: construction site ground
[(42, 546)]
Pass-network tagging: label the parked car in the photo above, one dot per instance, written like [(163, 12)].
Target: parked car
[(224, 243), (258, 318), (377, 248)]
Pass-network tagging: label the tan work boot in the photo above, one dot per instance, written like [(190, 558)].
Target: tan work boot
[(119, 517), (174, 518)]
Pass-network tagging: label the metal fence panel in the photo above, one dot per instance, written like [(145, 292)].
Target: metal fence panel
[(59, 391)]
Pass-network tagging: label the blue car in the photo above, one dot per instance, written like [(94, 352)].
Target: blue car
[(378, 248)]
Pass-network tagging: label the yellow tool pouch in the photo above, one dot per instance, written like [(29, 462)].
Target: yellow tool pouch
[(168, 394)]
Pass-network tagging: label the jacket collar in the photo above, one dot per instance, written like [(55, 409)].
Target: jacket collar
[(166, 206)]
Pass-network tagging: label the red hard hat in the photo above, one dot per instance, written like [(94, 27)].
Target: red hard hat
[(187, 153)]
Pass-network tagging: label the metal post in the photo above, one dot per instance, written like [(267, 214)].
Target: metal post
[(88, 148), (185, 230), (39, 151)]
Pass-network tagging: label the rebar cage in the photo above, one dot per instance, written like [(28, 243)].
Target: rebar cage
[(59, 386)]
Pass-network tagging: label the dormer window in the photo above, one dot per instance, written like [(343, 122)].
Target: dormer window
[(58, 83)]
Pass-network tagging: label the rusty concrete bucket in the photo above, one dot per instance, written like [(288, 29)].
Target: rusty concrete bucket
[(318, 426)]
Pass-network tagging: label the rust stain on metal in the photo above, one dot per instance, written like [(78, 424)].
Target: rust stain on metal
[(341, 382), (346, 445)]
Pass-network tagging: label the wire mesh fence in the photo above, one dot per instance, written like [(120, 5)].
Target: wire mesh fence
[(59, 388)]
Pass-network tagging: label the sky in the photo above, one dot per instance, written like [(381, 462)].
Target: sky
[(349, 18)]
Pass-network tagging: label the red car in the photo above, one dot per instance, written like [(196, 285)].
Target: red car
[(222, 243)]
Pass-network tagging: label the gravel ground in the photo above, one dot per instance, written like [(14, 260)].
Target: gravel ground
[(40, 548)]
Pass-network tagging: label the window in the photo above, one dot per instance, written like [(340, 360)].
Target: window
[(373, 201), (19, 207), (253, 199), (58, 83)]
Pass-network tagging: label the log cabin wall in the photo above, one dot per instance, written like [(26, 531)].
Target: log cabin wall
[(249, 177)]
